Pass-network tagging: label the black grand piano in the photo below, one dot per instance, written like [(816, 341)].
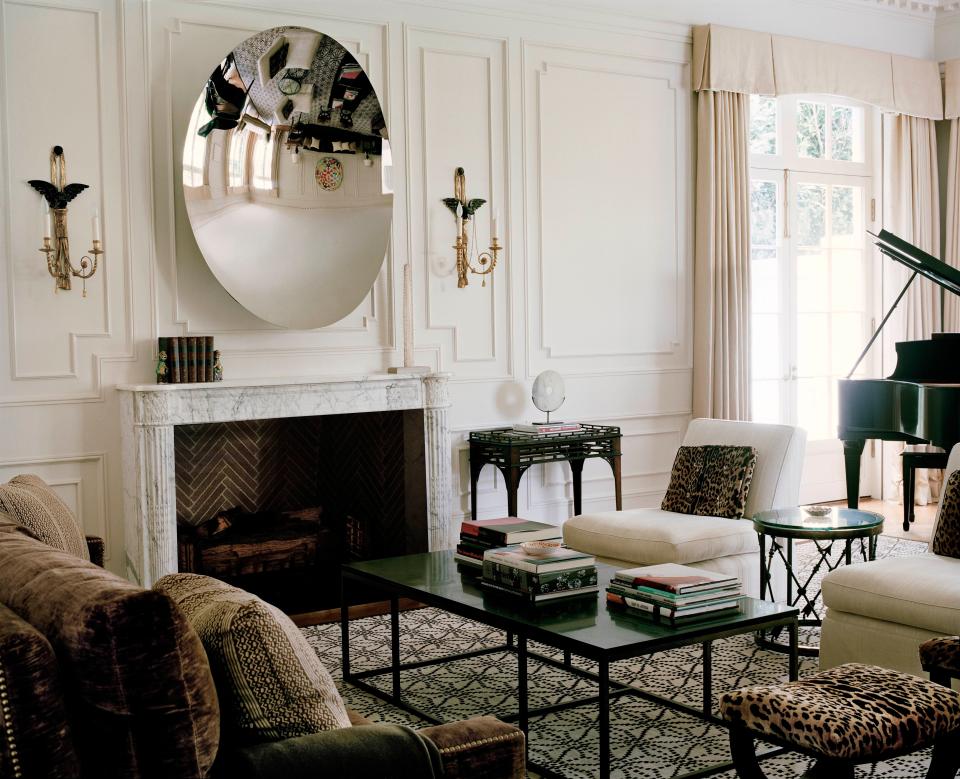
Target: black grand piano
[(920, 402)]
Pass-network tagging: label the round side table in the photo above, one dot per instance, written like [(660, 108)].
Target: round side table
[(777, 530)]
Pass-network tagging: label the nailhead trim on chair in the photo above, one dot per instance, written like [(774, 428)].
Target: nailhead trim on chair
[(481, 742), (7, 716)]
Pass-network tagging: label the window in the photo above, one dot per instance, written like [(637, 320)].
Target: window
[(386, 169), (810, 189), (237, 160), (263, 162), (195, 147)]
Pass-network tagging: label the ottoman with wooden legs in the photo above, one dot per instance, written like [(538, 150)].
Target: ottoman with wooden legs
[(846, 716)]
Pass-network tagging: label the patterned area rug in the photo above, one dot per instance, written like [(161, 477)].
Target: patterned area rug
[(646, 740)]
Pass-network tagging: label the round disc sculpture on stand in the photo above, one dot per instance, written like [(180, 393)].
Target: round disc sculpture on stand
[(549, 392)]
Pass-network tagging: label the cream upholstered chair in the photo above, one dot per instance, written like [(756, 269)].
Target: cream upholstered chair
[(650, 535), (880, 612)]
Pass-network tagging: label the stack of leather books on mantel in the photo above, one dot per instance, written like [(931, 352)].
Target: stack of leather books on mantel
[(188, 359)]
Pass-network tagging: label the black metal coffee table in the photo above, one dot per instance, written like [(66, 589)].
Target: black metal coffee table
[(583, 626)]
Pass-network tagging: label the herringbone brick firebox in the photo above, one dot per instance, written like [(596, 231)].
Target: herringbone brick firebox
[(365, 473)]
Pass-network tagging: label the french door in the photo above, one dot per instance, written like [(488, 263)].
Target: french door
[(811, 307)]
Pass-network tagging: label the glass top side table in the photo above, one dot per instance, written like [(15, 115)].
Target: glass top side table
[(777, 530)]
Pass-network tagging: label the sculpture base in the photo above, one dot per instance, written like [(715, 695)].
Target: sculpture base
[(414, 369)]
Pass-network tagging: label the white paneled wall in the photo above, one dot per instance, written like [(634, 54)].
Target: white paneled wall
[(574, 120)]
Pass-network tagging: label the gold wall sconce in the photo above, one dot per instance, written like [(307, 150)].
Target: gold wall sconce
[(56, 243), (464, 210)]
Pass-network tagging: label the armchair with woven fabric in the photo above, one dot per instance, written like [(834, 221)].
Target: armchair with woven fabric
[(102, 678)]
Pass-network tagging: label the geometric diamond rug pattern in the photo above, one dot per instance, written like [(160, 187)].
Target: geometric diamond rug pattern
[(646, 740)]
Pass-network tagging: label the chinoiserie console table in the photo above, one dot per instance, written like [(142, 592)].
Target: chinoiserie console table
[(513, 452)]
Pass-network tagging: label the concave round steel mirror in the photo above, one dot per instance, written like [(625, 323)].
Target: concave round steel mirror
[(286, 177)]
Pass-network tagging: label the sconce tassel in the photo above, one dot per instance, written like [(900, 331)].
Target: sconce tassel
[(61, 261)]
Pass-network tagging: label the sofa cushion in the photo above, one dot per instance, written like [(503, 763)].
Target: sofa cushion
[(35, 734), (136, 679), (272, 684), (31, 503), (946, 536), (921, 591), (649, 536), (710, 480)]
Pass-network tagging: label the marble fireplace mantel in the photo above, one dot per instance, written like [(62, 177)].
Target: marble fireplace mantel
[(151, 411)]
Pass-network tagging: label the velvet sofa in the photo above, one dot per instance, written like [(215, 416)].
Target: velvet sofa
[(101, 678)]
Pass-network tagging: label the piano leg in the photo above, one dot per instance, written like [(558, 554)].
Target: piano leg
[(852, 451)]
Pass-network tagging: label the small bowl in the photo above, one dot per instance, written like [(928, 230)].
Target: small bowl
[(818, 511), (541, 548)]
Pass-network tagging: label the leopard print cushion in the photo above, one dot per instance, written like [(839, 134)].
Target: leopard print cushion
[(711, 481), (851, 712), (942, 654), (684, 485), (946, 540)]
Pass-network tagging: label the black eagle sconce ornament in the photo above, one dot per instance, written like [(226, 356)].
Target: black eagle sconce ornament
[(56, 243), (464, 210)]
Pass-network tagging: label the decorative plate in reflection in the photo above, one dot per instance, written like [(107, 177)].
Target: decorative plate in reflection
[(329, 173)]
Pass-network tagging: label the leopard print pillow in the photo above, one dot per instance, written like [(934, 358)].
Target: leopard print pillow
[(684, 486), (946, 540), (711, 481)]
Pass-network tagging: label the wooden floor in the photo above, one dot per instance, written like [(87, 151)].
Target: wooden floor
[(920, 530)]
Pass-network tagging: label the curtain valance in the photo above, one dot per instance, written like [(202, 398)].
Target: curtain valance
[(734, 60), (951, 89)]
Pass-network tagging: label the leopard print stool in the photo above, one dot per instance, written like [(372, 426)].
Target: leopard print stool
[(940, 657), (847, 715)]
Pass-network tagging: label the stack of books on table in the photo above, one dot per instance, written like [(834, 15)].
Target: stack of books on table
[(675, 594), (476, 537), (562, 573), (542, 428)]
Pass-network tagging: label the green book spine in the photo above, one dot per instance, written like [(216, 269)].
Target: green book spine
[(192, 358), (173, 358), (539, 583), (184, 369), (201, 358), (208, 367)]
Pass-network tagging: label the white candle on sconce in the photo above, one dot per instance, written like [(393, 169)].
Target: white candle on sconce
[(459, 220), (47, 217), (96, 225), (496, 221)]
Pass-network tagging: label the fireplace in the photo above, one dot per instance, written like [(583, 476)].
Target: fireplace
[(366, 460), (276, 505)]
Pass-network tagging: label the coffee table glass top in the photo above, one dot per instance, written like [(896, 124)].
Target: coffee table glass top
[(435, 578), (837, 520)]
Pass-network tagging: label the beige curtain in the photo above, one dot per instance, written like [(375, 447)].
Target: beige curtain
[(913, 212), (951, 249), (721, 352)]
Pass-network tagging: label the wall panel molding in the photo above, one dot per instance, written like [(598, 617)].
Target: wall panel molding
[(69, 361), (653, 246), (86, 476), (457, 99)]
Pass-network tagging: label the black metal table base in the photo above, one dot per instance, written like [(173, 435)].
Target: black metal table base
[(798, 593), (608, 689)]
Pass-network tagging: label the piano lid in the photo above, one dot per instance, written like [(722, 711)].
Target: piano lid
[(918, 261)]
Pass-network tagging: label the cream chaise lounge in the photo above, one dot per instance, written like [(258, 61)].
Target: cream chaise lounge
[(650, 535), (880, 612)]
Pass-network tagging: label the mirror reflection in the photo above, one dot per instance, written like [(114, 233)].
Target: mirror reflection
[(286, 177)]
